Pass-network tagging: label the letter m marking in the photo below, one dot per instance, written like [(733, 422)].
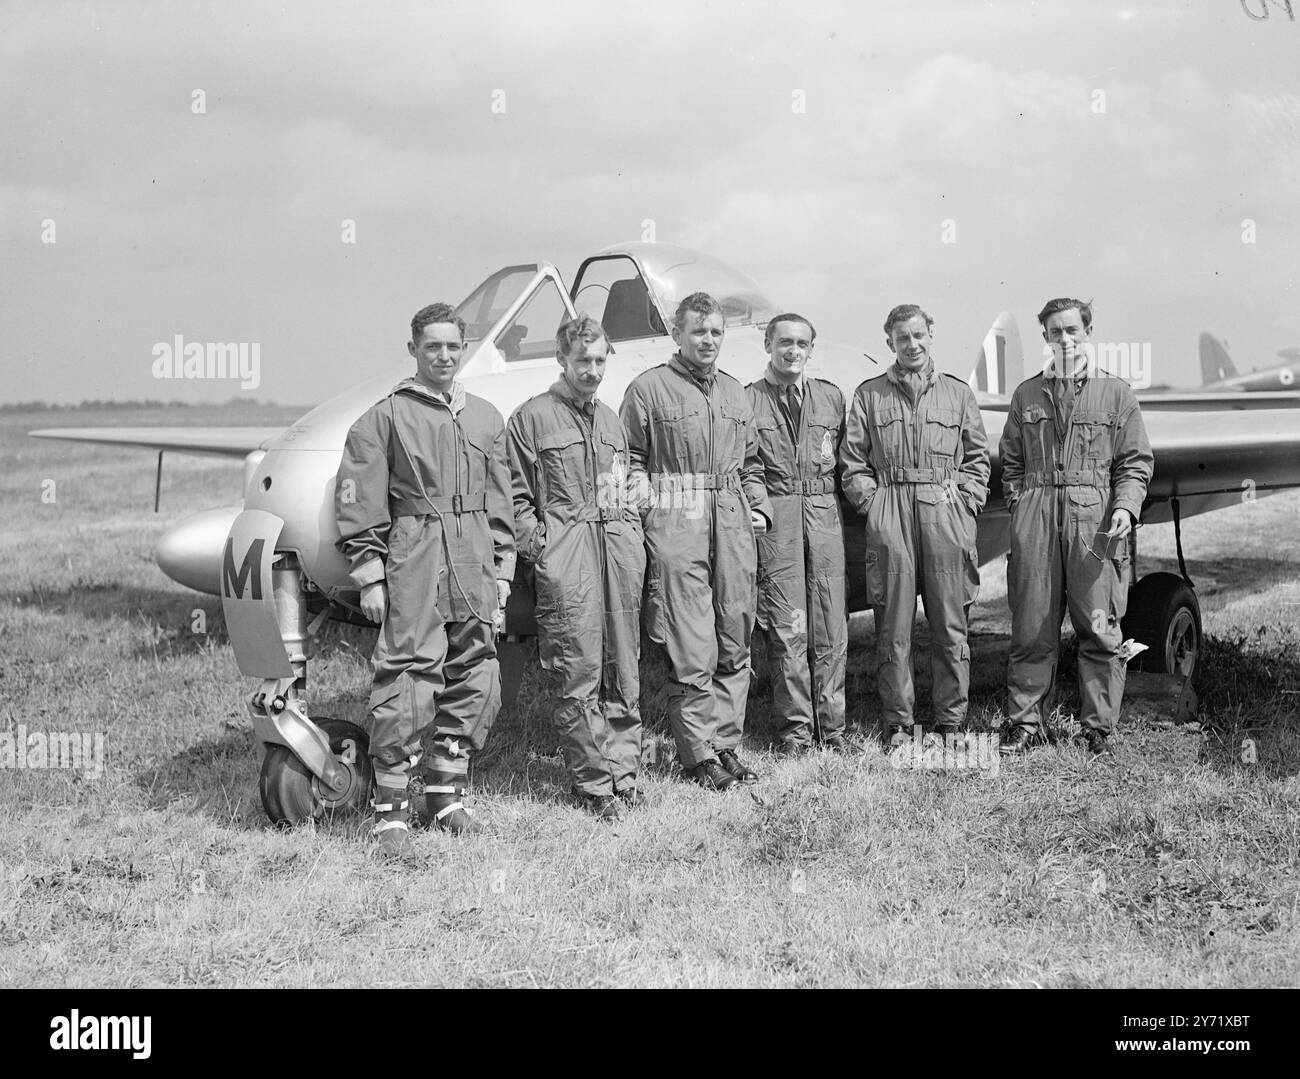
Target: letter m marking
[(233, 582)]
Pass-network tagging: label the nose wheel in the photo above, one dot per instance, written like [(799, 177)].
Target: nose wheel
[(292, 794)]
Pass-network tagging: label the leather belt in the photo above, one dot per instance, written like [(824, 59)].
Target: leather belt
[(695, 481), (457, 504)]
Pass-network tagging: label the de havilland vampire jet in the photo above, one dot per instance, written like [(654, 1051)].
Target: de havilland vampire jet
[(273, 562), (1219, 373)]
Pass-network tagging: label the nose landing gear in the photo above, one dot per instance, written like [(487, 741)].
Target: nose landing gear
[(291, 793)]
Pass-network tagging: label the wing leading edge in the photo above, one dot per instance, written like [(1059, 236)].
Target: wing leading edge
[(217, 441)]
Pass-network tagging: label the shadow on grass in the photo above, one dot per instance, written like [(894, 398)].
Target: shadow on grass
[(218, 777), (1249, 687), (1220, 581), (1250, 702)]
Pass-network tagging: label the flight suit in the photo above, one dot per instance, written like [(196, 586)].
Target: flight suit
[(693, 458), (917, 467), (802, 587), (423, 500), (574, 522), (1073, 451)]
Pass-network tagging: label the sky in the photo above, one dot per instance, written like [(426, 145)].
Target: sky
[(188, 169)]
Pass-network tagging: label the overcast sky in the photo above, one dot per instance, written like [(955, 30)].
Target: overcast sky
[(1110, 152)]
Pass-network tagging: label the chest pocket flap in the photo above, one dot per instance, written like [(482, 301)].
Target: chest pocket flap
[(558, 440), (480, 440), (671, 413)]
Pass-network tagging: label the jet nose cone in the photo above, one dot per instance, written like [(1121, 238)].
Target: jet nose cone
[(190, 551)]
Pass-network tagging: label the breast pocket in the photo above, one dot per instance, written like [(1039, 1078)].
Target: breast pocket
[(611, 472), (561, 458), (676, 432), (729, 432), (479, 453), (1037, 434), (1094, 434), (943, 433), (771, 447), (821, 446), (889, 435)]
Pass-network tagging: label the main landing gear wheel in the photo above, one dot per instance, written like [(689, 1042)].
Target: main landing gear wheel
[(290, 793), (1163, 614)]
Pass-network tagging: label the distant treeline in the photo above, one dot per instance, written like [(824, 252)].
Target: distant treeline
[(149, 402)]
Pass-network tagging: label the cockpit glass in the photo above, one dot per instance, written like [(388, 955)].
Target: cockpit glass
[(483, 307), (743, 302)]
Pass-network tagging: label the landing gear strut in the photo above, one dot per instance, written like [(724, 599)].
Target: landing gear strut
[(1164, 614), (312, 770), (290, 793)]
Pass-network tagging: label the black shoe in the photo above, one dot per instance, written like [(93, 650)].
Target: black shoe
[(1022, 738), (633, 798), (711, 774), (784, 749), (899, 736), (443, 808), (1098, 744), (836, 743), (738, 768), (601, 806)]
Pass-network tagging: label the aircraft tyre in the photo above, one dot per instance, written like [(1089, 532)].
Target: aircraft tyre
[(1164, 614), (291, 794)]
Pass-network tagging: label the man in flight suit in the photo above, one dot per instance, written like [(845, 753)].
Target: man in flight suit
[(573, 521), (1075, 467), (799, 423), (694, 468), (424, 511), (915, 462)]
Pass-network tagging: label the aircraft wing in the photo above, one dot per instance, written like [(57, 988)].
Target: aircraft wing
[(1207, 461), (1210, 461), (1219, 459), (218, 441), (1216, 400)]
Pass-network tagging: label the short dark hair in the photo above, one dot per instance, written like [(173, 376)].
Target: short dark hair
[(701, 303), (435, 312), (902, 313), (581, 331), (1064, 303), (789, 316)]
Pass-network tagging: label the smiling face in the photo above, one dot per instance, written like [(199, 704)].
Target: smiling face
[(700, 338), (1066, 335), (910, 343), (789, 350), (584, 372), (437, 355)]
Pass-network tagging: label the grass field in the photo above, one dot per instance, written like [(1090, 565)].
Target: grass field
[(1174, 864)]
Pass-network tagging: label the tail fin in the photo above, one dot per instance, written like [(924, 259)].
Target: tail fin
[(1216, 364), (1000, 365)]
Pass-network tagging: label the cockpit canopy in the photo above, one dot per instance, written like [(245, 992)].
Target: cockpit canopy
[(632, 289)]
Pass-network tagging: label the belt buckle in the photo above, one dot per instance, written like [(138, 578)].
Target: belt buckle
[(457, 504)]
